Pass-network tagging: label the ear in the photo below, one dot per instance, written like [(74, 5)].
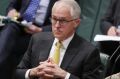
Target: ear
[(77, 22)]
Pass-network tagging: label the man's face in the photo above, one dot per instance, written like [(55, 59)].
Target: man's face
[(63, 25)]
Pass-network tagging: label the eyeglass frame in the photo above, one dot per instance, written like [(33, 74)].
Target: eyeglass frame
[(61, 21)]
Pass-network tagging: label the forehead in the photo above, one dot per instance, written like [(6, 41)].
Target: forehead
[(61, 11)]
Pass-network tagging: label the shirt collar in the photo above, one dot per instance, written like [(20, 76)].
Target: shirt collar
[(66, 42)]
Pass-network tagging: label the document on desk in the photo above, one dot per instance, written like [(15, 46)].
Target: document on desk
[(106, 38), (4, 20)]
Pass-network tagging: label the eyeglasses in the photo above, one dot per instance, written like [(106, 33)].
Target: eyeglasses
[(61, 21)]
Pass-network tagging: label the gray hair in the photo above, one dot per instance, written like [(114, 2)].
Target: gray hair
[(75, 9)]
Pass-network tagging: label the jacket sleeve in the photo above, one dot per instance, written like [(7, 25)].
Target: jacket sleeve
[(25, 64), (108, 20), (14, 4), (92, 68)]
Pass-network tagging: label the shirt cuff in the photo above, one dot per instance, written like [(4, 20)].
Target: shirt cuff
[(27, 74), (67, 76)]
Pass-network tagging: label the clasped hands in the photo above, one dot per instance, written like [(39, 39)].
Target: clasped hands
[(47, 69)]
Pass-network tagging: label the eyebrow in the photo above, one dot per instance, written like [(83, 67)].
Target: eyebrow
[(59, 17)]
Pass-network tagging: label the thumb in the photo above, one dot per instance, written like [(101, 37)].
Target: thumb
[(51, 60)]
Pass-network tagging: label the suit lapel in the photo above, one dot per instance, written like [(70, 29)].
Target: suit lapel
[(71, 52), (46, 47), (69, 55)]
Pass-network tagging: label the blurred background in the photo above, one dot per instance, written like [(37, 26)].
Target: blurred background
[(92, 12)]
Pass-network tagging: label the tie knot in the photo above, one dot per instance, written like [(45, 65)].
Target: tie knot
[(58, 44)]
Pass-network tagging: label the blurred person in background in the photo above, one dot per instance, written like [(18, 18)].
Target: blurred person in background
[(110, 25)]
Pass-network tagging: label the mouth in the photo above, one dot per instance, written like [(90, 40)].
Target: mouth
[(58, 32)]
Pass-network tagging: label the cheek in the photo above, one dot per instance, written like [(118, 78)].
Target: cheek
[(66, 31), (69, 31)]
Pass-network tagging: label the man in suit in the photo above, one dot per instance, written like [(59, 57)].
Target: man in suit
[(78, 58), (111, 20), (110, 25)]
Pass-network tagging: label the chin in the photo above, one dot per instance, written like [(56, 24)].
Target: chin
[(57, 36)]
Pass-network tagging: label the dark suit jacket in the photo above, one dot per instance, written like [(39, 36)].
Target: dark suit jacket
[(21, 6), (8, 37), (81, 59), (112, 16)]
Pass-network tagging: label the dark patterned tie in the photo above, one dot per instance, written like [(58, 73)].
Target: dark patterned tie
[(31, 10)]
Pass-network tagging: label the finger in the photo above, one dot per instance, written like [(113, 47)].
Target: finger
[(49, 70), (40, 74), (48, 60), (35, 29), (51, 60), (38, 29), (28, 31), (48, 76), (43, 62)]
